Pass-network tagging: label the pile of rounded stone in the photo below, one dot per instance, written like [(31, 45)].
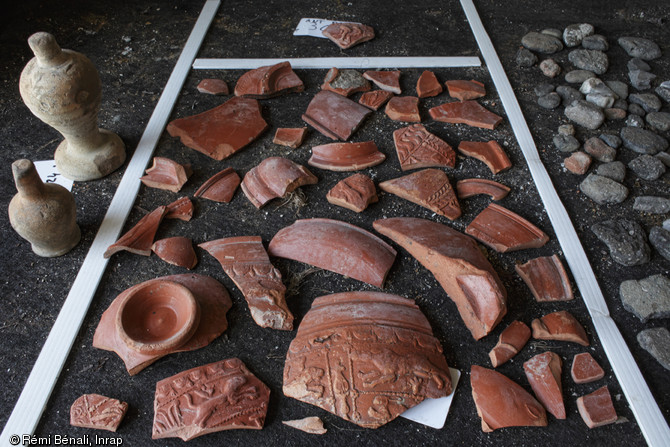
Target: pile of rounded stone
[(644, 130)]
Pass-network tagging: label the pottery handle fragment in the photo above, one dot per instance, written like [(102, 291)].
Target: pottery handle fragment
[(46, 49)]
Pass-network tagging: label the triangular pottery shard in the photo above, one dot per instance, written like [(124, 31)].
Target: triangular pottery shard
[(347, 35), (428, 85), (417, 148), (544, 375), (511, 341), (504, 231), (176, 251), (429, 188), (345, 82), (166, 174), (275, 177), (336, 246), (585, 369), (334, 115), (501, 402), (220, 187), (223, 130), (355, 193), (219, 396), (547, 279), (365, 357), (465, 90), (346, 156), (96, 411), (312, 425), (468, 112), (375, 99), (458, 265), (140, 238), (268, 81), (472, 186), (490, 153), (561, 326), (181, 209), (246, 262), (213, 87), (385, 80)]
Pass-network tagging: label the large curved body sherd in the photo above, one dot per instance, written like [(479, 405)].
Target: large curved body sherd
[(459, 266), (336, 246), (275, 177), (346, 156), (268, 81)]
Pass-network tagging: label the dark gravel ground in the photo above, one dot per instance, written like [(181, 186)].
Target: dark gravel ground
[(33, 288)]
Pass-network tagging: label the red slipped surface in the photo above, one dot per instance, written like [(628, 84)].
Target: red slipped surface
[(334, 115), (346, 156), (468, 112), (220, 187), (268, 81), (512, 340), (385, 80), (560, 326), (585, 369), (546, 278), (428, 85), (417, 148), (473, 186), (347, 35), (465, 90), (504, 231), (489, 152), (544, 375)]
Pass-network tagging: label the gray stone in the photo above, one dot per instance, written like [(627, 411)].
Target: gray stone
[(592, 60), (566, 143), (656, 341), (638, 64), (647, 167), (595, 42), (597, 148), (664, 157), (660, 240), (611, 140), (621, 104), (652, 204), (550, 68), (618, 87), (658, 120), (626, 240), (603, 190), (641, 80), (601, 100), (614, 114), (543, 89), (585, 114), (574, 34), (645, 49), (643, 141), (648, 101), (636, 109), (666, 224), (557, 33), (549, 101), (578, 76), (568, 94), (615, 170), (647, 298), (596, 85), (635, 121), (566, 129), (525, 58), (663, 92), (542, 43)]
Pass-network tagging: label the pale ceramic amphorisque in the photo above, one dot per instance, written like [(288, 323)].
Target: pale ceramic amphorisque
[(63, 89), (43, 213)]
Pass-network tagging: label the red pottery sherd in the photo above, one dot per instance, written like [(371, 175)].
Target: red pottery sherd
[(346, 156), (220, 187), (385, 80), (597, 408), (561, 326), (585, 369), (504, 231), (347, 35), (176, 251), (417, 148), (166, 174), (468, 112), (275, 177), (544, 375), (375, 99), (312, 425), (213, 87), (428, 85), (403, 108), (98, 412), (465, 90), (355, 193), (511, 341), (266, 82), (490, 153), (181, 209), (345, 82), (290, 137), (472, 186), (334, 115), (546, 278), (140, 238)]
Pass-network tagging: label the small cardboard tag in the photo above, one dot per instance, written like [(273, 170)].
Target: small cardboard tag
[(48, 172), (314, 27)]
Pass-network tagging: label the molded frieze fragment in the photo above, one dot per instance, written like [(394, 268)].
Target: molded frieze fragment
[(166, 174), (275, 177), (597, 408), (336, 246), (490, 153), (269, 81), (365, 357), (181, 209), (459, 266), (429, 188), (345, 82), (219, 396), (96, 411), (246, 262), (403, 108), (546, 278), (504, 231), (223, 130), (347, 35), (140, 238), (334, 115), (375, 99), (385, 80), (585, 369), (176, 251), (428, 85), (346, 156), (467, 112), (472, 186), (501, 402), (544, 375), (355, 193), (511, 341), (290, 137), (417, 148), (465, 90), (561, 326), (220, 187)]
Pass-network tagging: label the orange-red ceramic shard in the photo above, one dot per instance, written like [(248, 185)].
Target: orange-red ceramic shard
[(346, 156), (139, 239), (465, 90), (501, 402), (365, 357), (428, 85), (290, 137), (560, 326), (347, 35), (166, 174), (458, 265), (547, 279), (213, 87), (176, 251), (355, 193), (511, 341), (403, 108), (490, 153), (585, 369), (345, 82), (468, 112), (220, 187), (375, 99), (181, 209), (335, 116), (543, 372), (417, 148), (223, 130), (336, 246), (246, 262), (274, 177), (268, 81), (98, 412), (312, 425), (385, 80), (473, 186), (429, 188), (504, 231), (597, 408)]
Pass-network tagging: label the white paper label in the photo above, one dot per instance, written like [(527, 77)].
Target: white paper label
[(314, 27), (433, 412), (48, 172)]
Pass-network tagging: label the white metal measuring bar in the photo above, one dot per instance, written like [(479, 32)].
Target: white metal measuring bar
[(649, 417), (341, 62), (42, 379)]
